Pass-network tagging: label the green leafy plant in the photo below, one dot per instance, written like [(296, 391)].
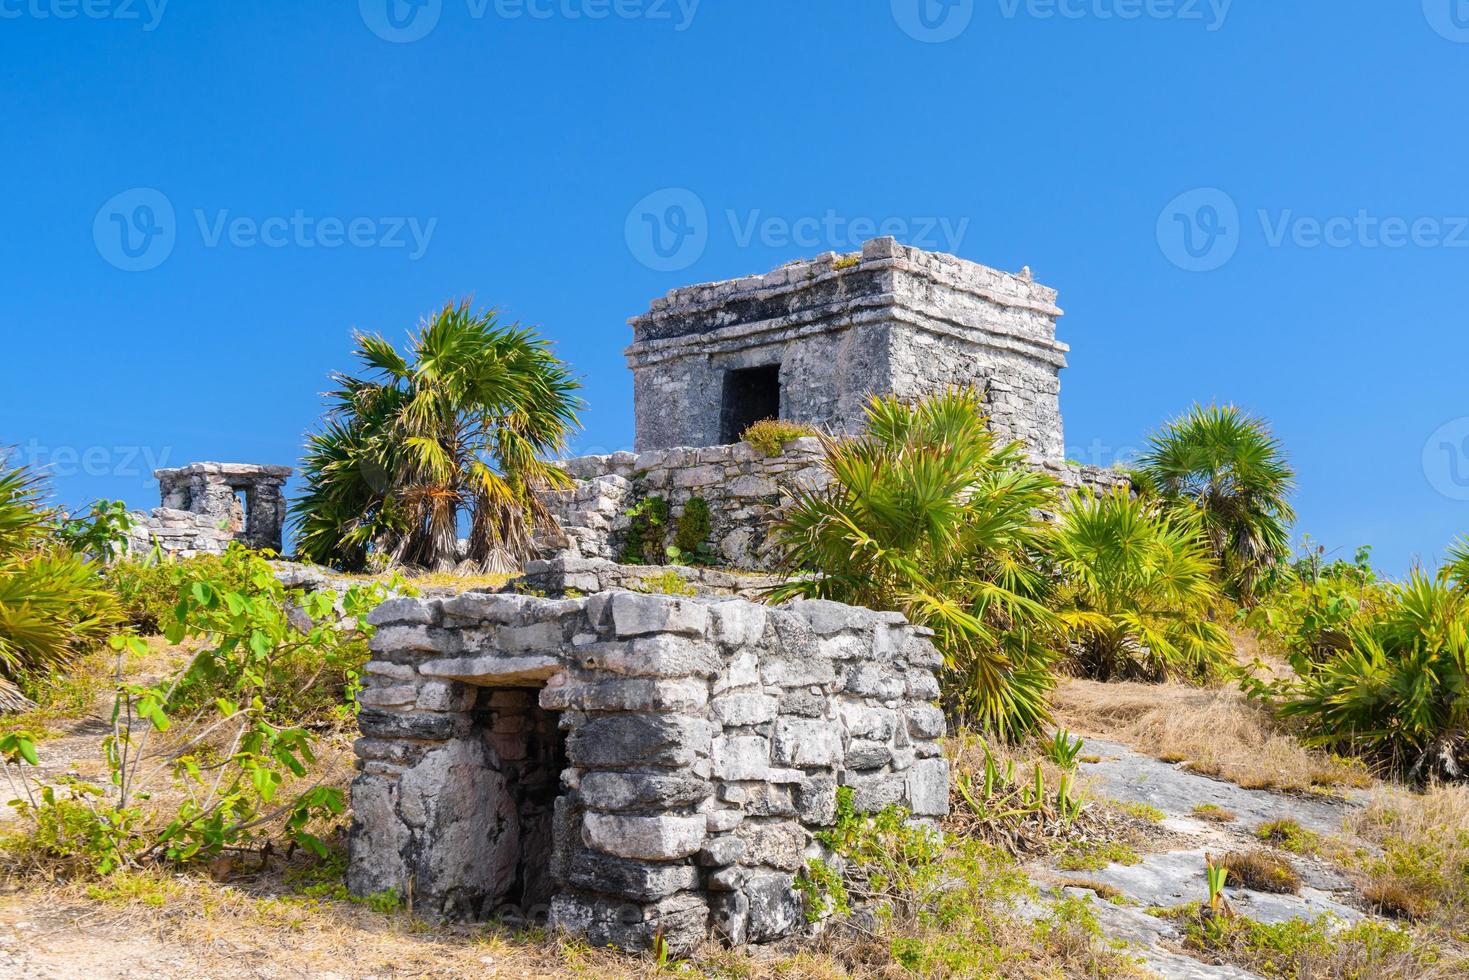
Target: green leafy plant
[(463, 429), (239, 744), (1063, 750), (54, 605), (668, 583), (691, 534), (1226, 467), (926, 515), (647, 522), (771, 435), (1137, 591)]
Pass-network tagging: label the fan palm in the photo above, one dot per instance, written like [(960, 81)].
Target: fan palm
[(463, 429), (1137, 587), (926, 515), (1400, 690), (1226, 465), (53, 602)]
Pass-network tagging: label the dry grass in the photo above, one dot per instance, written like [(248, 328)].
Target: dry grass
[(1213, 813), (1422, 870), (1261, 871), (1216, 731)]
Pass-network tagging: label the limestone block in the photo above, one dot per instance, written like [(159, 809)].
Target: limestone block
[(732, 710), (778, 844), (641, 790), (928, 788), (630, 879), (616, 741), (660, 838), (741, 757), (775, 908), (635, 614), (801, 742)]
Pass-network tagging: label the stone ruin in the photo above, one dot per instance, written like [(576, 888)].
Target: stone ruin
[(207, 506), (630, 765), (812, 341)]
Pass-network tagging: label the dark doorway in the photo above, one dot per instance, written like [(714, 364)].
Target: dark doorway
[(750, 395)]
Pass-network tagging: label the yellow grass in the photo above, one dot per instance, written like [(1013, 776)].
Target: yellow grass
[(1216, 731)]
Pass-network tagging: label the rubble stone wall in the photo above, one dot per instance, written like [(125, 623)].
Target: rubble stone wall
[(700, 742), (202, 513), (742, 486)]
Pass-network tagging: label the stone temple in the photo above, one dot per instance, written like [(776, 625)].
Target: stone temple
[(208, 506), (812, 341), (627, 760)]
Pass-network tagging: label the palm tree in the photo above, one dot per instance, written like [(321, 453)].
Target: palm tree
[(1226, 465), (924, 514), (461, 429), (1137, 588)]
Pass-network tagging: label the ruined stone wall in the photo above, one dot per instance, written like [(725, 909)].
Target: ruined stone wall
[(202, 511), (743, 487), (741, 484), (702, 744)]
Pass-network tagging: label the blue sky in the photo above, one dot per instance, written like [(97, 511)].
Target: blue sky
[(1262, 203)]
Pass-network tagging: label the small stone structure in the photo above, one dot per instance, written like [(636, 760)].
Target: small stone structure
[(206, 506), (812, 341), (631, 765)]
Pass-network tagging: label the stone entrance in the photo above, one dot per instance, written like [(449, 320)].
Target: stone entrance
[(635, 764), (750, 395)]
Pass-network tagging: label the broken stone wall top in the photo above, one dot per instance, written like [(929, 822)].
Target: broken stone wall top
[(206, 506), (818, 338)]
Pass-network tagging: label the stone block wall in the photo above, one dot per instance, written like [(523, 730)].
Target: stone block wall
[(743, 487), (694, 746), (202, 511)]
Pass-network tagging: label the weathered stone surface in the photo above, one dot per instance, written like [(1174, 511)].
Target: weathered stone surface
[(638, 615), (660, 838), (633, 739), (778, 845), (733, 710), (800, 742), (741, 757), (636, 790), (775, 908), (928, 788), (630, 879), (202, 512), (682, 920)]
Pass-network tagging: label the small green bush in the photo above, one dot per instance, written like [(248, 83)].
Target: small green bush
[(647, 523), (771, 435)]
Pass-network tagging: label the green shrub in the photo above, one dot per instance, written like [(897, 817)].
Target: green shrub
[(647, 524), (926, 515), (771, 435), (239, 712), (149, 587), (54, 605), (1397, 693), (1137, 590), (691, 533)]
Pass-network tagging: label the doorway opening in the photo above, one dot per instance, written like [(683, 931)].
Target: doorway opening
[(750, 395)]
